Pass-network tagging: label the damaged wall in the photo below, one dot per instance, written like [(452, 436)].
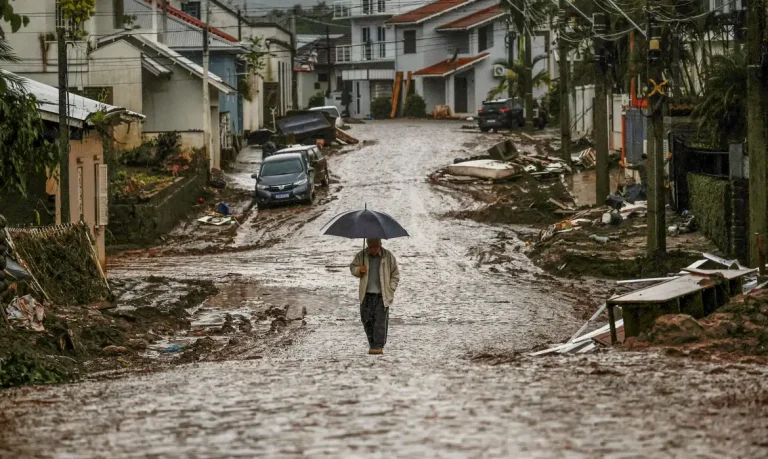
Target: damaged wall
[(710, 202)]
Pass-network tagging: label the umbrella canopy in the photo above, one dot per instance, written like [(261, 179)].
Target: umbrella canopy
[(364, 224)]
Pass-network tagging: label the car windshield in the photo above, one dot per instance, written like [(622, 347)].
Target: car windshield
[(292, 166)]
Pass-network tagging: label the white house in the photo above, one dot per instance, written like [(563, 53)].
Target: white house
[(451, 47), (368, 63)]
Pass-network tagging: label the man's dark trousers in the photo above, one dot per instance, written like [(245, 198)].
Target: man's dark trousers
[(375, 319)]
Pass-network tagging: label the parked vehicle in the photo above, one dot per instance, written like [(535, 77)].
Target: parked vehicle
[(284, 178), (314, 157), (308, 126), (333, 112), (500, 113)]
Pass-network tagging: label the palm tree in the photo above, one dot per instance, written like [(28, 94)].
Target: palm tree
[(721, 113), (7, 80), (516, 75)]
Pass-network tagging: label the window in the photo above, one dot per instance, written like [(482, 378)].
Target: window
[(485, 37), (367, 6), (191, 8), (381, 35), (409, 45), (367, 47), (322, 77), (381, 4)]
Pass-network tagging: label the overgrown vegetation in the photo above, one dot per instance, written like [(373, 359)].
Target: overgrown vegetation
[(415, 107), (722, 112), (709, 199), (517, 76), (317, 99), (381, 107), (75, 13), (23, 148)]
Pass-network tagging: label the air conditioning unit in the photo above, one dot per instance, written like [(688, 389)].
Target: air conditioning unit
[(499, 71)]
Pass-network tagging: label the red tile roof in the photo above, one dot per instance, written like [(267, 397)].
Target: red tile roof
[(475, 19), (447, 67), (427, 11), (194, 21)]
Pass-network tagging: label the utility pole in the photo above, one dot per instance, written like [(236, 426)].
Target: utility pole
[(657, 99), (239, 26), (602, 182), (164, 24), (294, 87), (565, 113), (330, 62), (63, 194), (757, 97), (207, 128), (511, 39), (528, 72)]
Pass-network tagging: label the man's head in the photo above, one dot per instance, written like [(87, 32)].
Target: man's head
[(374, 245)]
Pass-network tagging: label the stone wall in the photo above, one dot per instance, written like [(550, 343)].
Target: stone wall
[(740, 219), (143, 223)]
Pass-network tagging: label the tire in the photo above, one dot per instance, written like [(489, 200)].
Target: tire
[(521, 122), (482, 129), (326, 179), (311, 199)]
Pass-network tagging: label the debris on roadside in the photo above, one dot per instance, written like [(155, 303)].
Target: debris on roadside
[(28, 311), (485, 169)]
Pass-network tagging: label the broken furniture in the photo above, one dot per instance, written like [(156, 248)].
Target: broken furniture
[(697, 292)]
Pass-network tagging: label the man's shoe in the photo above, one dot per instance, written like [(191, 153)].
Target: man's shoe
[(375, 351)]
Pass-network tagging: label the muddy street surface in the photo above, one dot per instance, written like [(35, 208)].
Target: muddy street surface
[(453, 381)]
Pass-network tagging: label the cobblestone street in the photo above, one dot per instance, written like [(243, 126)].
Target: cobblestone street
[(433, 393)]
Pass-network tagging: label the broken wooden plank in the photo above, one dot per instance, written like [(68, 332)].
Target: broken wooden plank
[(346, 137)]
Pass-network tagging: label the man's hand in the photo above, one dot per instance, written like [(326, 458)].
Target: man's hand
[(363, 269)]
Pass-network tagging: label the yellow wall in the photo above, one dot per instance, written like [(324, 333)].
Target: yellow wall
[(86, 155)]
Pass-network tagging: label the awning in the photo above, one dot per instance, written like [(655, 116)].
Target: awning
[(448, 66), (154, 67)]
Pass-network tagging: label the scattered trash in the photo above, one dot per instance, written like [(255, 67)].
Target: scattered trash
[(441, 112), (486, 169), (173, 348), (469, 118), (28, 310), (112, 349), (612, 218), (504, 151), (599, 239), (223, 208)]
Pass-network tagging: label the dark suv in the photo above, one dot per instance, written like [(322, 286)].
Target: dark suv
[(500, 113), (285, 178)]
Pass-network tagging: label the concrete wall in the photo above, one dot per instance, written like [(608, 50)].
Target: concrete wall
[(173, 104), (84, 159), (224, 66), (432, 90), (253, 110)]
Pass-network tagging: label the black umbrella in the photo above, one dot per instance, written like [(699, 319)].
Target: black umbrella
[(366, 224)]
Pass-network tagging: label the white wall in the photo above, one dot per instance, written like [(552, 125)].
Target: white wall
[(253, 110)]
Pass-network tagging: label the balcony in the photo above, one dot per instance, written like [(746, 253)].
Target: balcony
[(375, 52), (344, 53), (362, 8)]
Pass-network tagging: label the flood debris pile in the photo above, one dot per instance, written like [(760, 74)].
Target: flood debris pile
[(609, 242), (714, 307)]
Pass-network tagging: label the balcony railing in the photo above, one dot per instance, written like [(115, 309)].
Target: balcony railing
[(349, 8), (344, 53), (374, 51)]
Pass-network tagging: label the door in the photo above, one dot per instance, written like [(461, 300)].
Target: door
[(357, 97), (460, 95), (367, 44)]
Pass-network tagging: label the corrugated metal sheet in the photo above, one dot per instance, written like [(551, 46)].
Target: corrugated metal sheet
[(80, 108)]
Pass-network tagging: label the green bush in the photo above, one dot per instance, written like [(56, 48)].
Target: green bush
[(317, 100), (415, 107), (710, 205), (381, 107), (168, 144)]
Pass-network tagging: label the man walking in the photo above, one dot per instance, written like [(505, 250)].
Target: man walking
[(377, 270)]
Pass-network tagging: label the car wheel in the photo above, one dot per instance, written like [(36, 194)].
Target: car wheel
[(311, 197), (326, 179), (521, 122)]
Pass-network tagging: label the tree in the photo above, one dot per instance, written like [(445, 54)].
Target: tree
[(22, 145), (516, 75), (16, 21), (721, 113), (317, 99), (415, 107)]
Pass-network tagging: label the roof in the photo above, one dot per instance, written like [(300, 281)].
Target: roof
[(80, 108), (143, 43), (429, 11), (189, 19), (184, 31), (476, 19), (447, 67), (282, 156)]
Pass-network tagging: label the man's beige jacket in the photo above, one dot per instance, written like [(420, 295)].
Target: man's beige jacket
[(388, 271)]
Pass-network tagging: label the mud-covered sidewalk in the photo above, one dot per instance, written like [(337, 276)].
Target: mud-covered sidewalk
[(453, 381)]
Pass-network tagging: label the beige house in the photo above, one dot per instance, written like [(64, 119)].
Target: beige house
[(88, 183)]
